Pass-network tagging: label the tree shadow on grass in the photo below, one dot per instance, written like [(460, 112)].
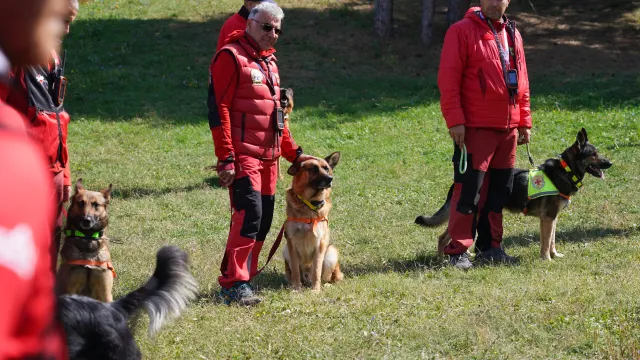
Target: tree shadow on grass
[(156, 70), (575, 235), (140, 192)]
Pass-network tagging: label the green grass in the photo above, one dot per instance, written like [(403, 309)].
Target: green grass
[(137, 95)]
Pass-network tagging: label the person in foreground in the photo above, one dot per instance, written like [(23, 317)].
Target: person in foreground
[(484, 90), (249, 135), (29, 29), (38, 93)]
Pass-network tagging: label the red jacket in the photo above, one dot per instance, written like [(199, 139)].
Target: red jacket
[(48, 122), (237, 21), (241, 106), (27, 301), (471, 81)]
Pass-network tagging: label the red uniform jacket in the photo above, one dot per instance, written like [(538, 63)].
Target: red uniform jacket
[(32, 96), (27, 301), (241, 105), (237, 21), (470, 78)]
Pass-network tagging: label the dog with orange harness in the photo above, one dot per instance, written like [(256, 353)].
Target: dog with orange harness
[(86, 267), (309, 256)]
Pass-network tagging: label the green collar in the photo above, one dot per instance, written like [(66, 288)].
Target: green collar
[(80, 234), (315, 205)]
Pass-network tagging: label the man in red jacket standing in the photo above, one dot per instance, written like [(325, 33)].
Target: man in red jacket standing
[(238, 21), (29, 29), (249, 135), (37, 94), (484, 90)]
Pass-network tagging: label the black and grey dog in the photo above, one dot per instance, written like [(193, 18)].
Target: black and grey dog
[(97, 330), (565, 172)]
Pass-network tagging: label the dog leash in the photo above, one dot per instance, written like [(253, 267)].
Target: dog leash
[(533, 164), (462, 165), (274, 248)]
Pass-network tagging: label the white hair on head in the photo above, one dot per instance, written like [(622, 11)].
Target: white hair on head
[(74, 4), (271, 9)]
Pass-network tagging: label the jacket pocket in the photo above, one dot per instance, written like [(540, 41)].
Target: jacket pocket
[(483, 81), (244, 118)]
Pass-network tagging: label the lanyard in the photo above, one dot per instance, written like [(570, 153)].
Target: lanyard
[(270, 85), (504, 55)]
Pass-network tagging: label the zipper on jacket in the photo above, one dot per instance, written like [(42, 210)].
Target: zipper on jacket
[(244, 115)]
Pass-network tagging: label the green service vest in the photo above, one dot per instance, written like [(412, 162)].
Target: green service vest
[(540, 185)]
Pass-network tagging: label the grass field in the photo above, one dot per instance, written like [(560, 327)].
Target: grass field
[(137, 96)]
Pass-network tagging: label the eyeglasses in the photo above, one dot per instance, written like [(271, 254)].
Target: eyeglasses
[(266, 27)]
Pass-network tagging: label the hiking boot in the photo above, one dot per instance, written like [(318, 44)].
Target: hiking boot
[(460, 261), (496, 255), (241, 293)]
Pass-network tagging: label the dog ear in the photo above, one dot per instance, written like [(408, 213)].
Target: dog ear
[(293, 169), (333, 159), (586, 138), (107, 192), (289, 93), (581, 139), (79, 186)]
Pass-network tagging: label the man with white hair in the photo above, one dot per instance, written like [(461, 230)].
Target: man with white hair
[(238, 21), (249, 135)]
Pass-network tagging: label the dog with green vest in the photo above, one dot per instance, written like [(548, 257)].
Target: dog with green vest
[(541, 192)]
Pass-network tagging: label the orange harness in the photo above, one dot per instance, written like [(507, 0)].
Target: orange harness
[(102, 264)]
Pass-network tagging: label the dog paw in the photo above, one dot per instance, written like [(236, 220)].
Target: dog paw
[(557, 255), (545, 257), (316, 288), (296, 287)]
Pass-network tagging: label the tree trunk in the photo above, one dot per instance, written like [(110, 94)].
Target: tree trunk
[(428, 11), (457, 9), (383, 18)]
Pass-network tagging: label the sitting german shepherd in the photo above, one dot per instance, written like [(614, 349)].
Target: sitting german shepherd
[(86, 261), (565, 174), (309, 256)]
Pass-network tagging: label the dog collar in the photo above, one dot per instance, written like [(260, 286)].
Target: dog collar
[(80, 234), (574, 178), (315, 205)]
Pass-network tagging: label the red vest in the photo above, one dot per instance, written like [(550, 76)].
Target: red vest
[(252, 125), (48, 122)]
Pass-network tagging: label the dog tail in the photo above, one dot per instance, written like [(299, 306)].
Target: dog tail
[(167, 292), (440, 216)]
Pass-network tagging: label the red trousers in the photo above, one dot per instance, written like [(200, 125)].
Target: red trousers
[(477, 204), (252, 197), (58, 184)]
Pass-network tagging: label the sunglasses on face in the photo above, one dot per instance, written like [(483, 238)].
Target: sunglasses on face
[(268, 27)]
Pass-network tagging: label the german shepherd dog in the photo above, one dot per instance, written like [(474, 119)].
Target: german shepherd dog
[(86, 267), (98, 330), (577, 160), (309, 256)]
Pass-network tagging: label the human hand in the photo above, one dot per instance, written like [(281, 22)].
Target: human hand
[(524, 136), (226, 177), (304, 157), (457, 134)]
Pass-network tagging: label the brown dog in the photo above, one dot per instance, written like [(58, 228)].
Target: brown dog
[(309, 255), (86, 262)]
